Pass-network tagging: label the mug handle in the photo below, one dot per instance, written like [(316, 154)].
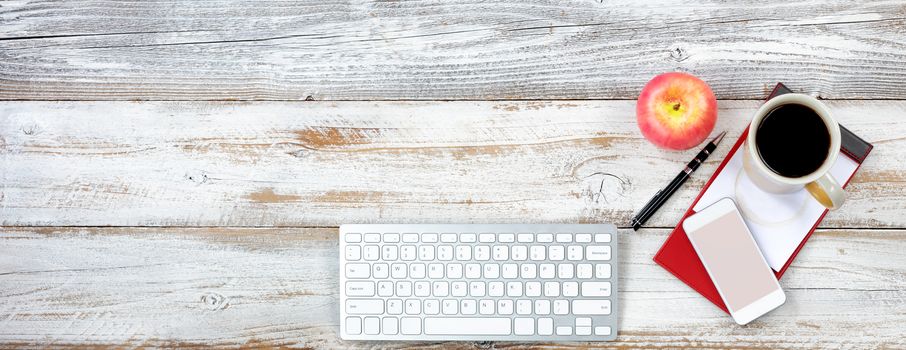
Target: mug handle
[(827, 191)]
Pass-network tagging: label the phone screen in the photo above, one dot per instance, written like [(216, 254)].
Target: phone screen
[(733, 261)]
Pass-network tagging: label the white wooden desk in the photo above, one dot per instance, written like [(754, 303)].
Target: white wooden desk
[(174, 172)]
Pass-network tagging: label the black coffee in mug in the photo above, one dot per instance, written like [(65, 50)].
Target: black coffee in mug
[(793, 140)]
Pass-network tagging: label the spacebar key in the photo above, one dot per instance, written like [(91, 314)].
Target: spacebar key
[(467, 326)]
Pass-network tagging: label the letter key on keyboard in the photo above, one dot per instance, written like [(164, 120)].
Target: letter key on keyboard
[(478, 282)]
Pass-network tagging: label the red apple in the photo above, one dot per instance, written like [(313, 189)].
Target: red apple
[(676, 111)]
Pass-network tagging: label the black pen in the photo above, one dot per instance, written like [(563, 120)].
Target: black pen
[(661, 196)]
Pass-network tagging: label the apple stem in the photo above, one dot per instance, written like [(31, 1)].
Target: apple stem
[(676, 107)]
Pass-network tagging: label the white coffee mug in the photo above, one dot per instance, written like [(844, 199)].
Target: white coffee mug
[(820, 184)]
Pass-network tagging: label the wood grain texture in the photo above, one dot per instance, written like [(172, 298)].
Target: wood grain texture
[(429, 50), (324, 164), (267, 287)]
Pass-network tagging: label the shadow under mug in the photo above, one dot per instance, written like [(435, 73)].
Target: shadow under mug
[(820, 183)]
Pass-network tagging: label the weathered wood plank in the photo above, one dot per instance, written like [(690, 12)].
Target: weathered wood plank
[(324, 164), (235, 286), (538, 49)]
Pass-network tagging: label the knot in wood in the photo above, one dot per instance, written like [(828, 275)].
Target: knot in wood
[(214, 301)]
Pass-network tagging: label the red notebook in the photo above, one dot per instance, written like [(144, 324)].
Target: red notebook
[(677, 254)]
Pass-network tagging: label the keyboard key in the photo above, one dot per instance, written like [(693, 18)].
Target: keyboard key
[(467, 326), (417, 270), (372, 325), (545, 326), (546, 271), (597, 252), (468, 237), (583, 271), (524, 326), (411, 325), (385, 288), (403, 288), (491, 271), (353, 238), (570, 289), (542, 307), (555, 252), (532, 289), (441, 289), (544, 238), (353, 325), (477, 289), (391, 237), (595, 289), (464, 253), (380, 270), (389, 325), (459, 289), (538, 252), (371, 252), (583, 238), (561, 307), (372, 237), (501, 252), (422, 288), (495, 289), (552, 289), (435, 271), (454, 271), (448, 238), (364, 306), (486, 307), (468, 307), (520, 252), (353, 252), (398, 270), (574, 253), (565, 270), (602, 330), (602, 270), (389, 252), (602, 238), (394, 306), (523, 307), (564, 238), (583, 322), (358, 270), (510, 271), (410, 237), (514, 289), (525, 238), (506, 238), (473, 270), (413, 306), (591, 307), (564, 330), (505, 307), (445, 253), (482, 253), (360, 289), (432, 307), (528, 271), (429, 237), (583, 330), (487, 238), (450, 307), (407, 253)]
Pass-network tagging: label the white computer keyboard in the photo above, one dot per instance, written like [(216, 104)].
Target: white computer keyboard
[(478, 282)]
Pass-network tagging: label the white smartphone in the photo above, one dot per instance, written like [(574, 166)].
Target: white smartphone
[(725, 246)]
